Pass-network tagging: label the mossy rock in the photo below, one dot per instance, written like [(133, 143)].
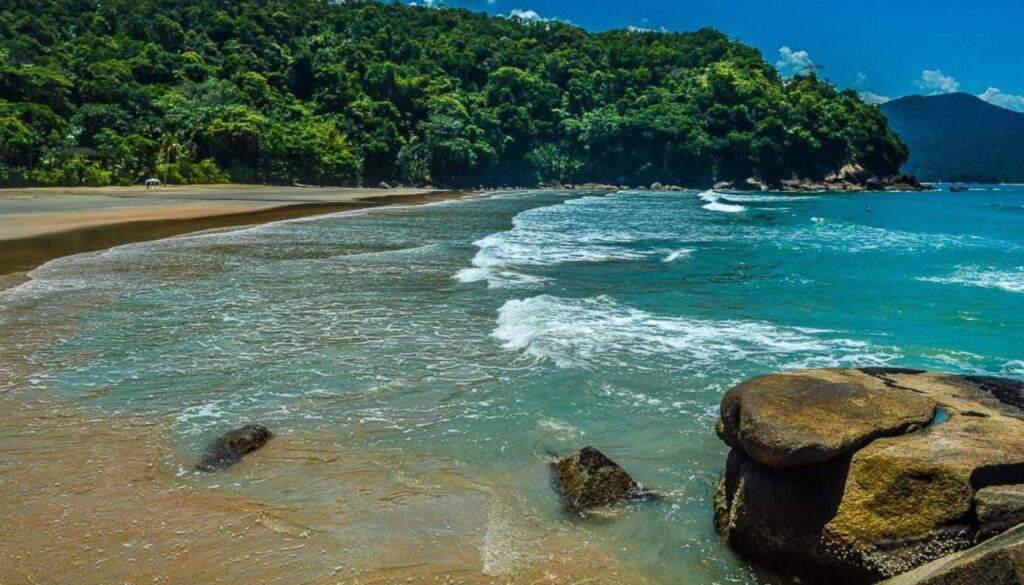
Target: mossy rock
[(589, 479), (894, 501), (790, 420)]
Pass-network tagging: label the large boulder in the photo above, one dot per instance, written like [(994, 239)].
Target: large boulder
[(232, 446), (786, 421), (850, 173), (852, 476), (589, 479)]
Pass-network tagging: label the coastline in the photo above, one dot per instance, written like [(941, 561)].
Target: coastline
[(39, 225)]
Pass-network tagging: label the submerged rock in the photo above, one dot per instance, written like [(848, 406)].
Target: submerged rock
[(229, 448), (589, 479), (842, 476)]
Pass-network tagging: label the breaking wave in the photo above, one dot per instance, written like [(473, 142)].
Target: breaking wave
[(714, 203), (601, 331)]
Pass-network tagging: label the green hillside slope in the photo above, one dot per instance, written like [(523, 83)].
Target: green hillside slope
[(958, 137), (359, 92)]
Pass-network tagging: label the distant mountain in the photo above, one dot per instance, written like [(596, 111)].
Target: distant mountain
[(959, 138)]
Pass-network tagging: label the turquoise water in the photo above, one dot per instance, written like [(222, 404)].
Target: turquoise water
[(496, 332)]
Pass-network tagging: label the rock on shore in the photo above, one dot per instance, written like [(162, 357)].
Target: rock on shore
[(589, 479), (230, 447), (853, 476)]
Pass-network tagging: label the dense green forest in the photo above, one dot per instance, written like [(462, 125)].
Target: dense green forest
[(107, 92), (959, 137)]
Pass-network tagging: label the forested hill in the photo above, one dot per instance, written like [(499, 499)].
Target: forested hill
[(959, 137), (96, 92)]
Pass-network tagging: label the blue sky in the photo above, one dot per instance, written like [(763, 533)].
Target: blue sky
[(889, 48)]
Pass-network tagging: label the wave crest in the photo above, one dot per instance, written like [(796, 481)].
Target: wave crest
[(590, 332)]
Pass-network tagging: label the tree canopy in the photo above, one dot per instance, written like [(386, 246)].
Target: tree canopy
[(359, 92)]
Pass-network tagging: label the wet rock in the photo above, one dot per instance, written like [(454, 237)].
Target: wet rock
[(657, 187), (881, 507), (791, 421), (998, 508), (999, 561), (904, 183), (850, 173), (722, 185), (229, 448), (589, 479), (755, 184)]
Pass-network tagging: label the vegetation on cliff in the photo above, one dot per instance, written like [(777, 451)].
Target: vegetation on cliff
[(359, 92)]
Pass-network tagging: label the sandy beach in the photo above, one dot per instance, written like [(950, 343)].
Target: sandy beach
[(40, 224)]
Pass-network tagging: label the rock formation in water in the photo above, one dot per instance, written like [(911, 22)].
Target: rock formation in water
[(589, 479), (853, 476), (229, 448)]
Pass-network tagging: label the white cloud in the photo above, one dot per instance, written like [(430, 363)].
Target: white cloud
[(995, 96), (531, 17), (526, 15), (935, 82), (641, 29), (871, 97), (794, 62), (860, 80)]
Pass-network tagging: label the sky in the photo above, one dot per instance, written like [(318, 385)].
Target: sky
[(882, 48)]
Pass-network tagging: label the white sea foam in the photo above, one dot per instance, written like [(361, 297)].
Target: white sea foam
[(677, 254), (713, 199), (601, 331), (1013, 368), (828, 234), (759, 198), (584, 230), (977, 276)]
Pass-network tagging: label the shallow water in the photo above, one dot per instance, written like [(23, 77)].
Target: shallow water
[(487, 335)]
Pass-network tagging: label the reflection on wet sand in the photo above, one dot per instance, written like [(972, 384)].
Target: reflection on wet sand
[(96, 498)]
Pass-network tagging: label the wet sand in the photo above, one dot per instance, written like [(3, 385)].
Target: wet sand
[(38, 225), (94, 498)]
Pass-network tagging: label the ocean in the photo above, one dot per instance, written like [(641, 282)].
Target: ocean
[(482, 338)]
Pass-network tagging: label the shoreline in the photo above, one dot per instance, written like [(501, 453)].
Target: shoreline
[(39, 225)]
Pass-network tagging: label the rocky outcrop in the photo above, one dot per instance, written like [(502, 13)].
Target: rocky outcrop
[(999, 561), (854, 182), (904, 183), (231, 447), (852, 476), (998, 508), (589, 479)]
